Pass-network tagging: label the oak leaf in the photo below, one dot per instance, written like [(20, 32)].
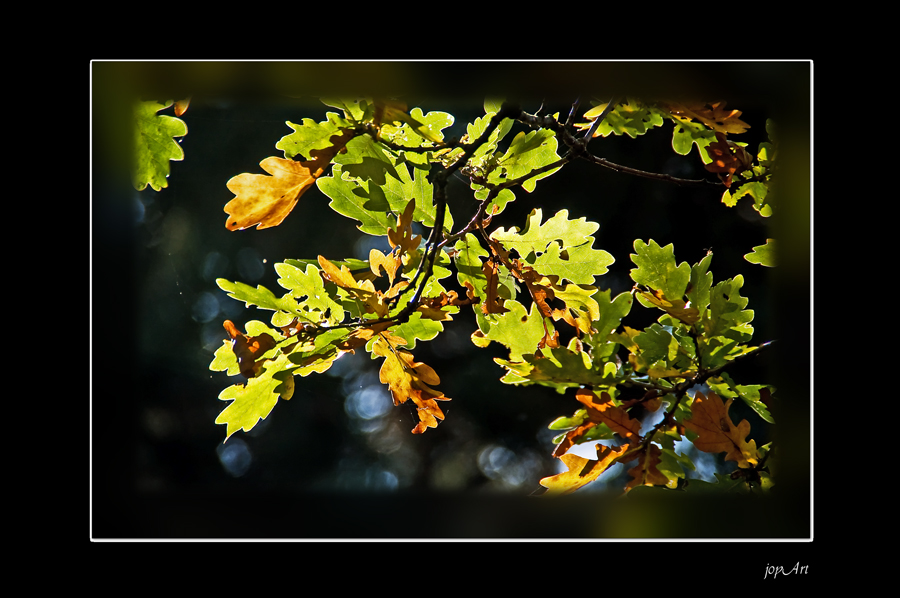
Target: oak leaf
[(645, 473), (714, 116), (601, 411), (265, 201), (402, 236), (409, 380), (717, 433), (248, 349), (395, 111), (604, 410), (582, 471), (675, 307), (727, 158), (361, 290), (493, 302)]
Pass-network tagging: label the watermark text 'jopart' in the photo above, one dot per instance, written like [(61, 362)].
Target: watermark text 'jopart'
[(775, 571)]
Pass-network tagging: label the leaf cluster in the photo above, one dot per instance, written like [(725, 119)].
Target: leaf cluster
[(533, 289)]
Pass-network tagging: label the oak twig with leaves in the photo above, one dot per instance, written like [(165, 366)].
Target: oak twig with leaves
[(533, 289)]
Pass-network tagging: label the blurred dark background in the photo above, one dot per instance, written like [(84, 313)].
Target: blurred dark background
[(337, 460)]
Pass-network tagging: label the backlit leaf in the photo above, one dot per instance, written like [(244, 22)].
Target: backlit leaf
[(265, 201), (656, 269), (717, 433), (582, 471), (154, 144), (764, 255), (409, 380)]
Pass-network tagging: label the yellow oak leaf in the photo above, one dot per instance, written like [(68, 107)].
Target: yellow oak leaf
[(390, 263), (409, 380), (265, 201), (582, 471), (402, 236), (717, 433)]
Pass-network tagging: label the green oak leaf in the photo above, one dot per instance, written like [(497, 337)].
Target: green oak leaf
[(224, 360), (656, 269), (254, 401), (308, 288), (423, 127), (701, 283), (726, 309), (518, 330), (630, 118), (726, 388), (469, 264), (262, 297), (559, 368), (526, 153), (758, 190), (366, 160), (352, 199), (414, 329), (310, 135), (764, 255), (559, 246), (355, 109), (656, 343), (567, 423), (579, 264), (377, 206), (154, 144), (611, 312), (688, 133)]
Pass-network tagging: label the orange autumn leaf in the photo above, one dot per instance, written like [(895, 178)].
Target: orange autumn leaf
[(582, 471), (265, 201), (248, 349), (600, 411), (409, 380), (717, 433), (645, 473), (616, 418)]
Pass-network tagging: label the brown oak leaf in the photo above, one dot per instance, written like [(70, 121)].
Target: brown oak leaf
[(493, 303), (717, 433), (727, 158)]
